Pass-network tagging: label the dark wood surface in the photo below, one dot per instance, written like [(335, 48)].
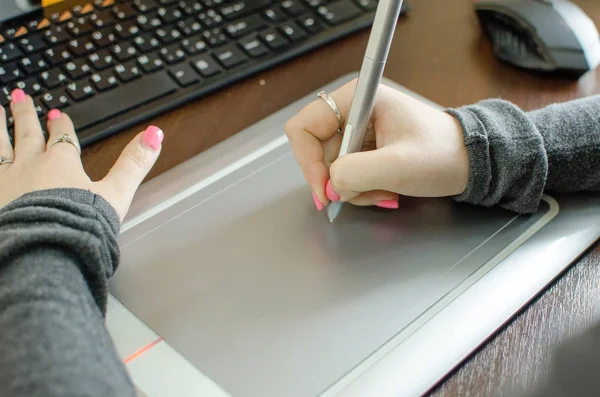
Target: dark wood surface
[(439, 52)]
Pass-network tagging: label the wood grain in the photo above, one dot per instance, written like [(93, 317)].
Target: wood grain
[(439, 52)]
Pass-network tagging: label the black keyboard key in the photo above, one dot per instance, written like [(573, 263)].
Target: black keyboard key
[(150, 62), (311, 24), (253, 46), (127, 29), (166, 2), (80, 90), (10, 72), (293, 7), (242, 8), (245, 26), (148, 22), (104, 37), (168, 36), (184, 75), (102, 19), (170, 15), (57, 56), (40, 109), (121, 99), (30, 86), (145, 5), (79, 26), (193, 45), (230, 56), (127, 72), (315, 3), (56, 34), (210, 18), (9, 52), (104, 81), (190, 7), (146, 42), (368, 5), (53, 78), (78, 69), (5, 96), (124, 11), (101, 60), (273, 39), (56, 99), (214, 37), (33, 64), (33, 43), (275, 14), (124, 51), (206, 66), (339, 12), (80, 46), (189, 26), (172, 54), (292, 31)]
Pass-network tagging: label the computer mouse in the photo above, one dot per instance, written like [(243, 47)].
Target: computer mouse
[(551, 36)]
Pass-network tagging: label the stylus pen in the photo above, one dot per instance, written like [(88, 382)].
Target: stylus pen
[(369, 78)]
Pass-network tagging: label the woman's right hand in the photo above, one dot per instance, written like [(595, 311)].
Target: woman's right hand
[(411, 149)]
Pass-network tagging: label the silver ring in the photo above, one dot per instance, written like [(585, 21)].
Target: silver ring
[(68, 139), (323, 95), (5, 161)]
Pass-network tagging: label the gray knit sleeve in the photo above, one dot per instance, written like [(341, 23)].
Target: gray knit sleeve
[(516, 156), (58, 249)]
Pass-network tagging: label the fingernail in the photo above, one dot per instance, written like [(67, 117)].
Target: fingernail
[(318, 202), (391, 204), (17, 95), (54, 114), (331, 194), (153, 137)]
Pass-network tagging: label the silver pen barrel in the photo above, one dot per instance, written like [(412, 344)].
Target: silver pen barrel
[(371, 72)]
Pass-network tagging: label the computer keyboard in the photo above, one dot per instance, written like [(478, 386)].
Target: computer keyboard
[(112, 63)]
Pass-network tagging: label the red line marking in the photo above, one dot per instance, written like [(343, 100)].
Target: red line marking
[(142, 351)]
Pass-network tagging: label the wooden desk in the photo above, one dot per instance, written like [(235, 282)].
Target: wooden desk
[(440, 53)]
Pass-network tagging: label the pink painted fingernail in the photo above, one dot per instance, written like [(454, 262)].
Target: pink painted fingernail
[(391, 204), (153, 137), (17, 95), (54, 114), (331, 194), (318, 202)]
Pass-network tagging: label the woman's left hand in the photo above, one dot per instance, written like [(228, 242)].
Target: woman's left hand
[(36, 164)]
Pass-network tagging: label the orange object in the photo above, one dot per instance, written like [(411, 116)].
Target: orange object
[(65, 16), (46, 3), (21, 31), (44, 23), (87, 8)]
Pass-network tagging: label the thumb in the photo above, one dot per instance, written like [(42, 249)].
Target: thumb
[(361, 172), (131, 168)]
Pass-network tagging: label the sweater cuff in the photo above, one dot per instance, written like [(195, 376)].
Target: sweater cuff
[(508, 163), (78, 196), (478, 151)]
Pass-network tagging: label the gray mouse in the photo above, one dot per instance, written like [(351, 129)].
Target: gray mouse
[(548, 36)]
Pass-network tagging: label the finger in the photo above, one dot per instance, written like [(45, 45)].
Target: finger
[(314, 139), (361, 172), (132, 166), (29, 139), (59, 125), (6, 149), (379, 198)]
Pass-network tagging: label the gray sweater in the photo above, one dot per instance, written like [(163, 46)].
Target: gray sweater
[(58, 249)]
